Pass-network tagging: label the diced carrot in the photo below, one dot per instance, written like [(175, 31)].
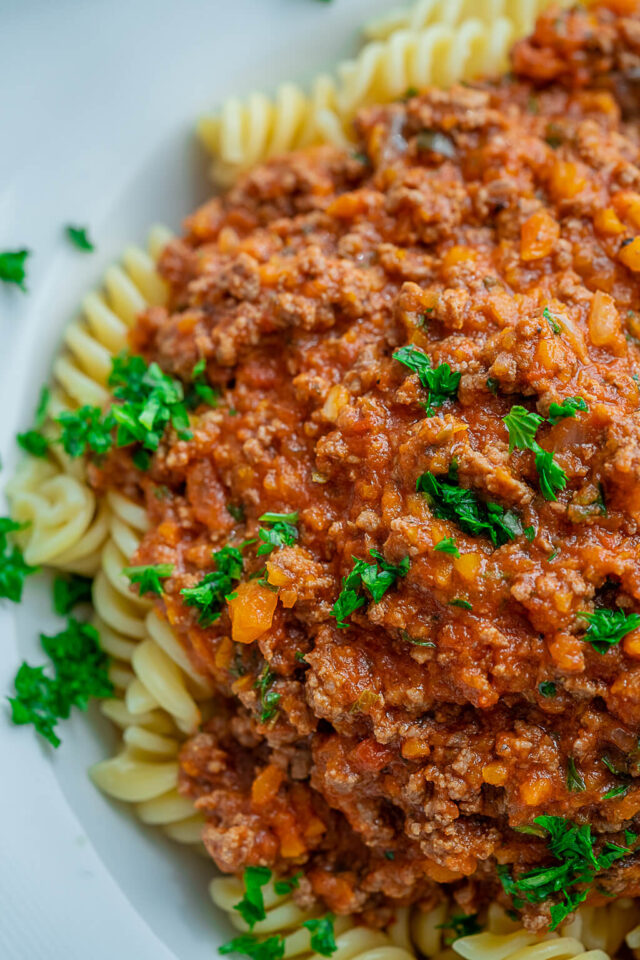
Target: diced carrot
[(370, 755), (266, 785), (535, 790), (468, 565), (538, 236), (286, 828), (459, 254), (169, 531), (567, 652), (631, 644), (224, 653), (608, 222), (251, 611), (440, 873), (276, 576), (627, 204), (187, 322), (495, 773), (630, 255), (415, 747), (566, 180)]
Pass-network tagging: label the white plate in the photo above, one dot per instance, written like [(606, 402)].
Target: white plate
[(99, 99)]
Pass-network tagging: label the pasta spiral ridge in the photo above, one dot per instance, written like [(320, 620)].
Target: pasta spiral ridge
[(522, 13), (67, 526), (285, 917), (437, 42)]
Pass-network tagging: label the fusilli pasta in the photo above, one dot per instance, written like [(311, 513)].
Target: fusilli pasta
[(437, 41)]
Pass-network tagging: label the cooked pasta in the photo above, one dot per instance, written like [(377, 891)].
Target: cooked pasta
[(437, 41), (422, 14), (286, 918), (523, 946)]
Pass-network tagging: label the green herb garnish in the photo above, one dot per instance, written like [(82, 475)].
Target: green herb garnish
[(282, 531), (236, 511), (148, 577), (464, 604), (251, 907), (608, 627), (269, 699), (550, 475), (522, 425), (209, 595), (285, 886), (13, 568), (568, 408), (247, 944), (33, 442), (12, 267), (377, 581), (575, 780), (441, 383), (547, 688), (323, 939), (553, 322), (79, 237), (200, 390), (447, 545), (448, 501), (461, 925), (79, 673), (69, 591), (86, 429)]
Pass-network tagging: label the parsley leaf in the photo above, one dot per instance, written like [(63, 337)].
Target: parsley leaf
[(568, 408), (448, 501), (463, 604), (200, 390), (323, 940), (547, 688), (575, 780), (270, 949), (13, 568), (620, 791), (148, 577), (608, 627), (12, 267), (251, 907), (69, 591), (33, 442), (284, 886), (551, 476), (80, 672), (522, 426), (236, 511), (269, 699), (441, 383), (553, 322), (209, 595), (447, 545), (282, 532), (461, 925), (85, 428), (572, 847), (364, 574), (79, 237), (43, 406)]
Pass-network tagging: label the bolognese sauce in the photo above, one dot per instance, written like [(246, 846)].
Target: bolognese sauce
[(405, 531)]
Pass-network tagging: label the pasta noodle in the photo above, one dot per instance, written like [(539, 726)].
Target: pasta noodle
[(523, 946), (285, 917), (422, 14), (437, 41)]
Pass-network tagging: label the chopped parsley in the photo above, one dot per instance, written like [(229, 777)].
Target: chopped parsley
[(12, 267), (551, 476), (448, 501), (530, 533), (577, 864), (199, 390), (148, 577), (323, 939), (209, 595), (149, 401), (575, 780), (284, 886), (247, 944), (464, 604), (79, 673), (608, 627), (69, 591), (492, 385), (251, 907), (236, 511), (522, 425), (282, 531), (33, 442), (85, 428), (447, 545), (620, 791), (441, 382), (43, 406), (79, 237), (547, 689), (568, 408), (376, 579), (269, 699), (13, 568), (460, 925), (553, 322)]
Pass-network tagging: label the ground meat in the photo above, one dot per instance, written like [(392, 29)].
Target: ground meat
[(494, 228)]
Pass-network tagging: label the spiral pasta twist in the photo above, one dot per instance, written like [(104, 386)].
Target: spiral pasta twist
[(435, 42), (422, 14), (524, 946), (285, 917), (67, 527)]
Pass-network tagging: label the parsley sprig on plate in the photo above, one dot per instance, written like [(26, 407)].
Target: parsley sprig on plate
[(13, 567), (441, 382), (566, 882), (149, 576), (13, 267), (377, 577), (608, 627)]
